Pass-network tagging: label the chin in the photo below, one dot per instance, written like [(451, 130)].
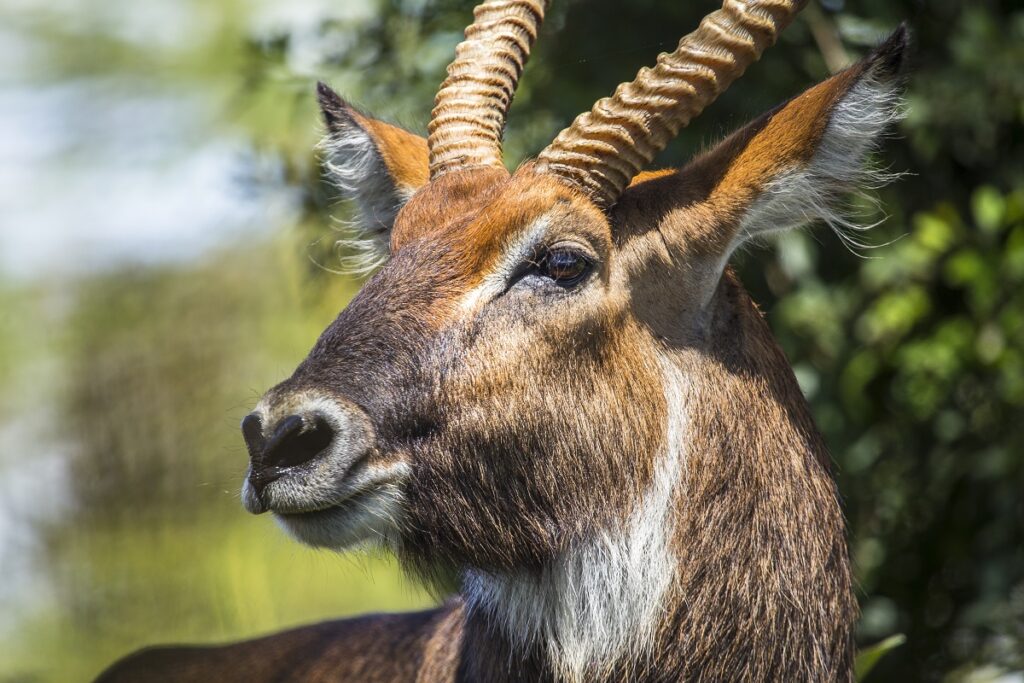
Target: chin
[(373, 517)]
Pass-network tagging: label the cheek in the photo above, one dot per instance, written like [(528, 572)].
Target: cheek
[(554, 428)]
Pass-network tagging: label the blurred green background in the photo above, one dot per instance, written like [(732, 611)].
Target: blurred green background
[(166, 253)]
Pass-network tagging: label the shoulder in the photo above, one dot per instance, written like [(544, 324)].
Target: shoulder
[(368, 648)]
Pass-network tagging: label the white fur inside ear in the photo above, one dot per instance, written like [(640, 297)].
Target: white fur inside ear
[(355, 166), (840, 169)]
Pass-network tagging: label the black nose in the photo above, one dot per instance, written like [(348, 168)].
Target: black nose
[(294, 441)]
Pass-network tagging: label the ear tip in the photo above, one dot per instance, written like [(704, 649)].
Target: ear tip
[(889, 58), (335, 109), (327, 97)]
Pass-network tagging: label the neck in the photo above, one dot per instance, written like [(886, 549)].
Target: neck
[(732, 567)]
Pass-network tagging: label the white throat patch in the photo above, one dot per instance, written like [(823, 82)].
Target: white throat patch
[(602, 603)]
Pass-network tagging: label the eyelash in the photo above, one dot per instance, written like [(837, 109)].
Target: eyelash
[(563, 265)]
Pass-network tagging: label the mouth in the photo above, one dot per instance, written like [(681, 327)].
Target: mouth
[(319, 510), (371, 514)]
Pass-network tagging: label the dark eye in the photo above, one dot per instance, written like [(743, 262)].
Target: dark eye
[(564, 265)]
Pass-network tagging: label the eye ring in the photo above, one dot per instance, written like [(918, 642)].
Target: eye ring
[(565, 265)]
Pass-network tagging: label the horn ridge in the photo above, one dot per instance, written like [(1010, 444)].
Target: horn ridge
[(603, 149), (470, 109)]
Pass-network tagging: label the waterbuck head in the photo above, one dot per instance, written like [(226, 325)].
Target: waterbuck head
[(555, 385)]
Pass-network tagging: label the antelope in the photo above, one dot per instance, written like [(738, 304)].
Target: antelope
[(556, 388)]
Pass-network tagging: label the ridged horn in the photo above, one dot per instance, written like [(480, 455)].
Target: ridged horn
[(469, 113), (604, 148)]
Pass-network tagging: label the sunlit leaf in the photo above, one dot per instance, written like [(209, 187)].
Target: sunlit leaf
[(870, 656)]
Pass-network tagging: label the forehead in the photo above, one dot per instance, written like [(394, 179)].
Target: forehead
[(469, 219)]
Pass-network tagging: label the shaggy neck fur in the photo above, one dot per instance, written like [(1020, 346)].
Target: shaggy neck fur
[(602, 602), (733, 566)]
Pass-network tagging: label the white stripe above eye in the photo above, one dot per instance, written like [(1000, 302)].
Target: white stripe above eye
[(519, 248)]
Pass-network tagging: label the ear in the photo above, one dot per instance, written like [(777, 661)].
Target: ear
[(790, 167), (378, 165)]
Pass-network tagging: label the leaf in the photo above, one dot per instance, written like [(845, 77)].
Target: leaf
[(869, 656), (989, 207)]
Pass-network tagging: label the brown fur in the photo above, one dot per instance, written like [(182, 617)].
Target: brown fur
[(404, 153), (534, 417)]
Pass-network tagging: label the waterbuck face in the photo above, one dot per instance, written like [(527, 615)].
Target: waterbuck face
[(488, 369), (511, 382)]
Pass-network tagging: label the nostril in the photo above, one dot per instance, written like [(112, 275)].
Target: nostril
[(252, 432), (292, 445), (286, 428)]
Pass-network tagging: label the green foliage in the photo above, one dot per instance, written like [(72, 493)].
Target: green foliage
[(224, 576), (870, 656), (917, 359)]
